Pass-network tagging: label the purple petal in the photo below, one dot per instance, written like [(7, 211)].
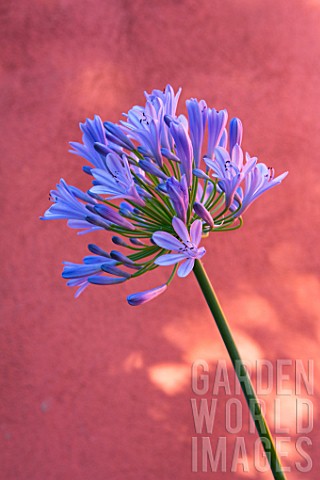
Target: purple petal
[(120, 257), (139, 298), (197, 119), (196, 232), (201, 251), (100, 280), (197, 172), (119, 241), (166, 240), (169, 155), (169, 259), (181, 229), (224, 139), (279, 178), (97, 250), (236, 130), (179, 196), (237, 156), (150, 167), (203, 213), (115, 271), (82, 287), (113, 216), (183, 144), (83, 224), (136, 241), (216, 124), (185, 268)]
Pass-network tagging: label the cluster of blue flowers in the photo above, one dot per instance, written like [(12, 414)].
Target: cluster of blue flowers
[(160, 182)]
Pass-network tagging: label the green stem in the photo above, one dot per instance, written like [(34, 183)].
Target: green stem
[(244, 379)]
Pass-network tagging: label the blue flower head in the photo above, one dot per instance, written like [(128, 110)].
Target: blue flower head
[(158, 186)]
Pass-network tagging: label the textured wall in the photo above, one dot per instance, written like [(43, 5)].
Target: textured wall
[(93, 388)]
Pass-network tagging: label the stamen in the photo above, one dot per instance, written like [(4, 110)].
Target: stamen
[(270, 174), (144, 119)]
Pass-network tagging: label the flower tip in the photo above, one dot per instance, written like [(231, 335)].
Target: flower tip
[(140, 298), (168, 120)]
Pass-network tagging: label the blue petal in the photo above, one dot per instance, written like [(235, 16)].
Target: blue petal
[(196, 232), (115, 271), (197, 172), (97, 250), (203, 213), (169, 259), (166, 240), (181, 229), (236, 130), (185, 268), (139, 298), (100, 280), (120, 257)]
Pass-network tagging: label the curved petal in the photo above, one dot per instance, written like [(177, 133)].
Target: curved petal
[(98, 259), (196, 232), (100, 189), (185, 268), (201, 252), (169, 259), (222, 155), (81, 288), (100, 280), (115, 271), (279, 178), (181, 229), (235, 130), (77, 271), (237, 156), (139, 298), (166, 240), (203, 213)]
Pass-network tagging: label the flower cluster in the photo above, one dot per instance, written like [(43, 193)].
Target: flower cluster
[(160, 182)]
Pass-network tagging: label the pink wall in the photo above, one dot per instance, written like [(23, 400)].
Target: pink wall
[(93, 388)]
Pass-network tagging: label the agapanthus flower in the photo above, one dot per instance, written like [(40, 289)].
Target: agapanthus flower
[(116, 179), (197, 114), (179, 195), (257, 181), (186, 247), (80, 275), (93, 132), (159, 187), (229, 171), (68, 205)]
